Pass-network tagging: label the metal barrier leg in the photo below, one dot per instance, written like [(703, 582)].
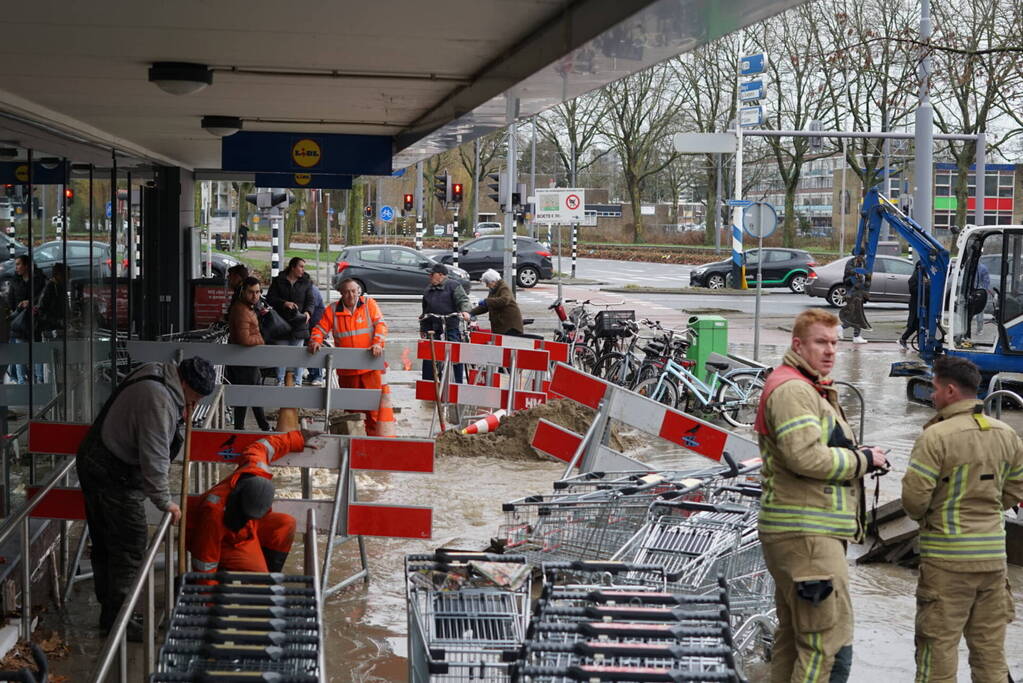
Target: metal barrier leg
[(26, 580), (168, 576), (335, 513), (149, 622), (72, 576)]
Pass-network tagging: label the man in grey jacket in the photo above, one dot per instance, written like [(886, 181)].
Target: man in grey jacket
[(124, 459)]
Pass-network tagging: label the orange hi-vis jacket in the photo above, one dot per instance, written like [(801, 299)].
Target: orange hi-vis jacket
[(357, 330), (211, 543)]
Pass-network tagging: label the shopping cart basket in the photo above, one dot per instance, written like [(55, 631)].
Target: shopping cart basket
[(464, 611)]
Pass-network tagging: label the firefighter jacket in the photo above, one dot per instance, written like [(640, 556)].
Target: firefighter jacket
[(359, 329), (965, 469), (207, 534), (812, 471)]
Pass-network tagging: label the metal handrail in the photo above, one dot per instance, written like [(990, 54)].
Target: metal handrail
[(21, 519), (116, 642), (999, 393)]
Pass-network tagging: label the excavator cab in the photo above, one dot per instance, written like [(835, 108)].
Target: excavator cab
[(986, 303)]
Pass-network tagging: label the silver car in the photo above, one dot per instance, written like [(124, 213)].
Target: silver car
[(889, 283)]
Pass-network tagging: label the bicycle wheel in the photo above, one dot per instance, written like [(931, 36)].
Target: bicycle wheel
[(742, 394), (615, 368), (583, 358), (666, 394)]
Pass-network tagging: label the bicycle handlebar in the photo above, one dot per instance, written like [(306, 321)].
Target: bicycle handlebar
[(440, 315)]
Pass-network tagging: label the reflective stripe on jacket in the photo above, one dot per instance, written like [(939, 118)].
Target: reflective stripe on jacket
[(965, 469), (207, 534), (357, 330), (812, 474)]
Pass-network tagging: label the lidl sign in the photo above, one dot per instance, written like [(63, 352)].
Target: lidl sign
[(303, 153)]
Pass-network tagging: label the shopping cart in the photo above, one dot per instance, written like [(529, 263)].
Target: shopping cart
[(245, 625), (464, 611), (589, 626)]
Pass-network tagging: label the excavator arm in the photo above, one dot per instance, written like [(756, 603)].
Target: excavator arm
[(934, 260)]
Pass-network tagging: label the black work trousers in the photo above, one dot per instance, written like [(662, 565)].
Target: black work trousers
[(249, 376), (116, 517)]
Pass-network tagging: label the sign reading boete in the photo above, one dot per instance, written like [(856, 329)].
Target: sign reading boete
[(560, 206)]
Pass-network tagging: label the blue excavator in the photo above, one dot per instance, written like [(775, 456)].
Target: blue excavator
[(970, 306)]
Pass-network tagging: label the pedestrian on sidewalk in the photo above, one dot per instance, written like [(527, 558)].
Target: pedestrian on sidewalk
[(444, 296), (243, 323), (500, 305), (243, 237), (811, 507), (965, 470), (292, 297), (22, 293), (123, 460)]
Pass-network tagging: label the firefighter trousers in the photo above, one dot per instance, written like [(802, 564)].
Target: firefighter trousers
[(812, 633), (950, 605)]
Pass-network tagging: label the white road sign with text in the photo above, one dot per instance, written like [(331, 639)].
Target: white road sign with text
[(560, 206)]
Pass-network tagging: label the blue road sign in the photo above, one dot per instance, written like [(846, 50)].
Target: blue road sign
[(301, 212), (110, 211), (386, 213), (739, 202), (748, 66), (332, 210), (753, 90)]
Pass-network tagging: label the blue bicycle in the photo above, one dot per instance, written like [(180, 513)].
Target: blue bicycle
[(732, 394)]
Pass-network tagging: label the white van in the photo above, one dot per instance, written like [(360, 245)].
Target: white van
[(488, 228)]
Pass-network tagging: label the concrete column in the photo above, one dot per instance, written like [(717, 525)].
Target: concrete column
[(169, 213)]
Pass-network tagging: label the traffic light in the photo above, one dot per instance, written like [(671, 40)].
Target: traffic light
[(267, 199), (69, 195), (409, 202), (499, 181), (369, 212), (442, 187), (456, 192)]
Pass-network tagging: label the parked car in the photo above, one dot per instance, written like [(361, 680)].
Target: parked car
[(488, 228), (890, 281), (782, 268), (78, 259), (383, 269), (221, 264), (479, 255)]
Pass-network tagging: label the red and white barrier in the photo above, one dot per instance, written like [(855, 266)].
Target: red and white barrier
[(474, 395), (682, 429), (342, 517), (558, 351), (563, 444)]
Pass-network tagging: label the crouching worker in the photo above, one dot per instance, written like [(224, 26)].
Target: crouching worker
[(233, 527)]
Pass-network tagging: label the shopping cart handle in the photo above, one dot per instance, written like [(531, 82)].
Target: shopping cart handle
[(693, 506), (26, 675), (442, 556), (733, 467)]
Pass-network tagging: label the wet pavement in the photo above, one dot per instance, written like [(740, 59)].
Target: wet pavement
[(366, 624)]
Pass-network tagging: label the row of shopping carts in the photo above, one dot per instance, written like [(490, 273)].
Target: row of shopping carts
[(672, 541), (244, 627)]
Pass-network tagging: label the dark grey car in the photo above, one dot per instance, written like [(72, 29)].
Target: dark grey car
[(386, 269), (481, 254), (890, 281)]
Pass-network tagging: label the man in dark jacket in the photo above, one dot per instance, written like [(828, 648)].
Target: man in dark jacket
[(291, 295), (21, 295), (124, 459), (505, 316), (442, 297), (51, 313), (316, 374)]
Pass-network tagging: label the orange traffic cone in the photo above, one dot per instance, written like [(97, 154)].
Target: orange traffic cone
[(486, 424)]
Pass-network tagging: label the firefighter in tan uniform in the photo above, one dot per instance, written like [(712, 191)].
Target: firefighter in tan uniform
[(811, 505), (965, 469)]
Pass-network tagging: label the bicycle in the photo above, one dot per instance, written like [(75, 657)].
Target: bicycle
[(733, 395), (577, 331)]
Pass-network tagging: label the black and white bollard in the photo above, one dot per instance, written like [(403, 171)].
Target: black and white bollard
[(419, 236), (275, 247), (454, 246), (575, 242)]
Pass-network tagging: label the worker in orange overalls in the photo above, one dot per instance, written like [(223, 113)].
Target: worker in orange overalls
[(356, 322), (233, 527)]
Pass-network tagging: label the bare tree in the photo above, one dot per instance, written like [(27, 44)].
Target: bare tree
[(641, 113), (795, 95), (492, 149), (574, 128), (977, 78)]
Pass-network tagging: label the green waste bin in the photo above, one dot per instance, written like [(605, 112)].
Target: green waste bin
[(711, 337)]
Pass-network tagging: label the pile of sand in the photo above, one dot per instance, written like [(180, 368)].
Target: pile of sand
[(511, 438)]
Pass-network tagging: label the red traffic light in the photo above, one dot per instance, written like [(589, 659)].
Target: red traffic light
[(456, 192), (69, 193), (409, 202)]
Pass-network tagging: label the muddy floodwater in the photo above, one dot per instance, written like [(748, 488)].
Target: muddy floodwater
[(366, 624)]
